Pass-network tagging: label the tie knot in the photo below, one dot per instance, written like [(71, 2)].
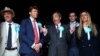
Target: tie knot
[(57, 26), (9, 24), (34, 20)]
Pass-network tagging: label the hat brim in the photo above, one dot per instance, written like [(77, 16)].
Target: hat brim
[(11, 11)]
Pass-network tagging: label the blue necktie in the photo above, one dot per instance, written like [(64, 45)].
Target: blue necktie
[(9, 42)]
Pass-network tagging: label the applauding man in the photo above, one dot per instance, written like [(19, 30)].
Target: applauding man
[(56, 36)]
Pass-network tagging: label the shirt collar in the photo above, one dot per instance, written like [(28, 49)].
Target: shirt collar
[(32, 19), (8, 22), (59, 24), (72, 22)]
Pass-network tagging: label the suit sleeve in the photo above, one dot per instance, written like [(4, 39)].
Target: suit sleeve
[(68, 35), (18, 35), (98, 36), (47, 37), (0, 33), (42, 39), (1, 24), (23, 34)]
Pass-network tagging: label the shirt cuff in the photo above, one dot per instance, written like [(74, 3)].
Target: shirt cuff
[(45, 33), (71, 31), (33, 45), (40, 45)]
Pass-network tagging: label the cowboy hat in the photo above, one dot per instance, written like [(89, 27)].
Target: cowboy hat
[(7, 9)]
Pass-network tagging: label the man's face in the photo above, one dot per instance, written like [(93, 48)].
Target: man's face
[(8, 16), (72, 17), (34, 13), (56, 18)]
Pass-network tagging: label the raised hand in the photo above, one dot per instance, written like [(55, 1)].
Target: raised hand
[(44, 29)]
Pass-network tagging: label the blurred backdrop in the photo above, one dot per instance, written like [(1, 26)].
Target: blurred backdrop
[(47, 7)]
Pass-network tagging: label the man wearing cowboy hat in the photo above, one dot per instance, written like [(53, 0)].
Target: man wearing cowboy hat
[(9, 32)]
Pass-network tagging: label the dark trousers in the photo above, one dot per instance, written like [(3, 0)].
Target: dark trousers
[(31, 54), (89, 51), (73, 51), (57, 51)]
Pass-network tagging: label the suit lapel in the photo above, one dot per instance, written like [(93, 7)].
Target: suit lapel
[(30, 24), (40, 32), (4, 31), (69, 26), (54, 29), (83, 34), (63, 30), (31, 27)]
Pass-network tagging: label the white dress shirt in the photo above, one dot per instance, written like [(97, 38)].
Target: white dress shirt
[(59, 24), (32, 21), (14, 34)]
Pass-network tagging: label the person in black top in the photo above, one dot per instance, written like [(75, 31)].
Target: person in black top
[(88, 36)]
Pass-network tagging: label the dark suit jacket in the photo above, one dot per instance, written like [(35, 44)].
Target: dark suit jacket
[(73, 38), (89, 47), (27, 37), (57, 46)]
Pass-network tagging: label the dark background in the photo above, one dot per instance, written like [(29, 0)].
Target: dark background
[(47, 7)]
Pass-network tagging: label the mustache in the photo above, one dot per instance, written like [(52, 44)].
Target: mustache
[(55, 20), (7, 16)]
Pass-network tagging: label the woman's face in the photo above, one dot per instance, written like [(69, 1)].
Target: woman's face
[(84, 17)]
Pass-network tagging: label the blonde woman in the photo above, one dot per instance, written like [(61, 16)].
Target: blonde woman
[(88, 36)]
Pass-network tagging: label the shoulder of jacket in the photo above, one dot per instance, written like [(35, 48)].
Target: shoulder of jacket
[(16, 24), (2, 23)]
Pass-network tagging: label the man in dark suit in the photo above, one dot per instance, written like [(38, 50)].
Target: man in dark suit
[(56, 35), (31, 37), (73, 49)]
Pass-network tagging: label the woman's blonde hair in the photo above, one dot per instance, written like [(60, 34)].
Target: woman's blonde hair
[(90, 23)]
